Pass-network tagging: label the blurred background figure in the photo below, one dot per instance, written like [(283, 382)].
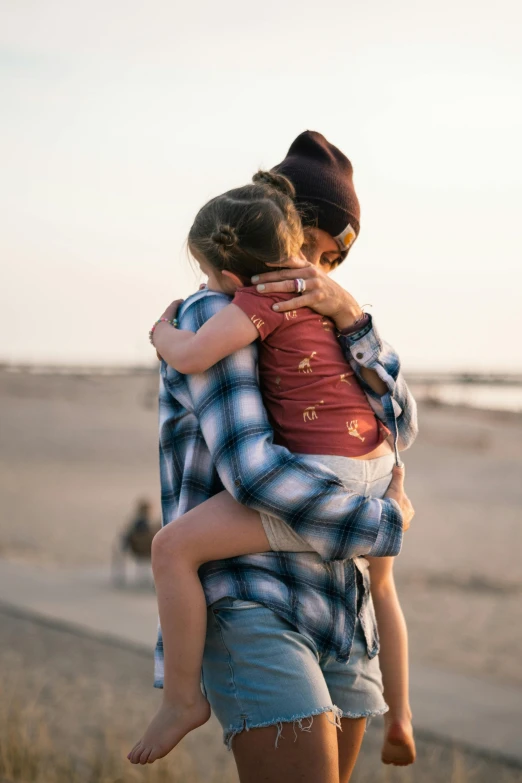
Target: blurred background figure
[(135, 542)]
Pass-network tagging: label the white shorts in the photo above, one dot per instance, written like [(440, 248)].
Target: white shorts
[(368, 477)]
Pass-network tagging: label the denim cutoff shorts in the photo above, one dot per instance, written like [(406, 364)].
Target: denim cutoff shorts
[(259, 670)]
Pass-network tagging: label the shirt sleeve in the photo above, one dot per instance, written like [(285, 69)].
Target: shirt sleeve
[(365, 348), (259, 310), (337, 523)]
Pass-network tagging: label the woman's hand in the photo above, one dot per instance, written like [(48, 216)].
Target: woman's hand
[(322, 294), (396, 492)]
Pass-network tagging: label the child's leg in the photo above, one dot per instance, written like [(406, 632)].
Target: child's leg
[(399, 745), (216, 529)]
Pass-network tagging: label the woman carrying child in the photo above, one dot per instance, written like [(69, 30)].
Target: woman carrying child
[(291, 634)]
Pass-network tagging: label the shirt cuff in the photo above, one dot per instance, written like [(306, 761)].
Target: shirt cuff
[(363, 346), (389, 538)]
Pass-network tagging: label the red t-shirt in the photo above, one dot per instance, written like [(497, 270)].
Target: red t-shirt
[(313, 398)]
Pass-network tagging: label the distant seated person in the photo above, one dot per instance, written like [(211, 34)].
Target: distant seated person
[(137, 537)]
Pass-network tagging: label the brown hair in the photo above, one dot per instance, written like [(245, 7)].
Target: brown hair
[(247, 228)]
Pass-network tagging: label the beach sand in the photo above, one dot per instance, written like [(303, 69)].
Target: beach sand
[(77, 451)]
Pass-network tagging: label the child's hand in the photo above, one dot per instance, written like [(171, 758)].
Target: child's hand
[(396, 492), (170, 313), (172, 310)]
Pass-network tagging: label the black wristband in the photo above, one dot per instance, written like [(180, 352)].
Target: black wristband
[(361, 322)]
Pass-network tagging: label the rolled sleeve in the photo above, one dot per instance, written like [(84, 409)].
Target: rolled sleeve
[(389, 538), (364, 347), (397, 409)]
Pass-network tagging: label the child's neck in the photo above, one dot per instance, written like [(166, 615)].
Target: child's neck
[(216, 282)]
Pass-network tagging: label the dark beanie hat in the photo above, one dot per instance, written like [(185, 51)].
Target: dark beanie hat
[(323, 179)]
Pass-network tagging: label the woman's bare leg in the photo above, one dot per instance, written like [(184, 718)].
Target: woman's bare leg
[(399, 745), (216, 529), (307, 757), (349, 742)]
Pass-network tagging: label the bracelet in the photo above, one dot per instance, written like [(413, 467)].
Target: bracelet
[(173, 322), (361, 322)]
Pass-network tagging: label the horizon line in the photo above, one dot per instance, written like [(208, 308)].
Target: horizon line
[(441, 375)]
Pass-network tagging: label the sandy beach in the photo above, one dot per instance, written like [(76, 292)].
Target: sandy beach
[(77, 451)]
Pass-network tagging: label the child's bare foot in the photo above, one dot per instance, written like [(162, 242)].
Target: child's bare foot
[(399, 745), (167, 728)]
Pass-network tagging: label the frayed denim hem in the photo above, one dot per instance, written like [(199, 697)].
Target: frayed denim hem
[(296, 720), (368, 714)]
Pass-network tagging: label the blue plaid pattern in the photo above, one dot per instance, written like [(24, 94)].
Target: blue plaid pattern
[(215, 435)]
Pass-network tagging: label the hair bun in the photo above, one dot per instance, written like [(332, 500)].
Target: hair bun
[(225, 236), (276, 181)]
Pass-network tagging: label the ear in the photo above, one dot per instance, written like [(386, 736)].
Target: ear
[(235, 279)]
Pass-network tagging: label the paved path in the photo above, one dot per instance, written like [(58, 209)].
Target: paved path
[(456, 708)]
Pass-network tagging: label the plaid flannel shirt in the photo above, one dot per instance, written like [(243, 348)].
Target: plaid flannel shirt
[(215, 435)]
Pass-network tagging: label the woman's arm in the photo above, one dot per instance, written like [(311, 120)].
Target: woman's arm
[(375, 362), (365, 351), (193, 352)]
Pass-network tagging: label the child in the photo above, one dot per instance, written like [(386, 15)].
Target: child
[(316, 407)]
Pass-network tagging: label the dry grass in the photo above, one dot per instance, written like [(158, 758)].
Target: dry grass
[(71, 707), (32, 752), (28, 754), (42, 742)]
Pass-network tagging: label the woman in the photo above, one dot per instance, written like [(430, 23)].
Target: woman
[(301, 604)]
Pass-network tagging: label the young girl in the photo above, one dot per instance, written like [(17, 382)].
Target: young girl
[(316, 407)]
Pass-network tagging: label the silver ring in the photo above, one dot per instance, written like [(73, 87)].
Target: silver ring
[(300, 285)]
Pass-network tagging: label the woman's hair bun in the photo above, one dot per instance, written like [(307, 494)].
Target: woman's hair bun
[(276, 181), (225, 236)]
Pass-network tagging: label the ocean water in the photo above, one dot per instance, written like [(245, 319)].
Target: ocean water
[(475, 395)]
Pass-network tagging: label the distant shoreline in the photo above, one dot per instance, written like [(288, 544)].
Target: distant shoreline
[(72, 369), (494, 392), (413, 377)]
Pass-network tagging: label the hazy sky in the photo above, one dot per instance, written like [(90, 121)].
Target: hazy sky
[(121, 118)]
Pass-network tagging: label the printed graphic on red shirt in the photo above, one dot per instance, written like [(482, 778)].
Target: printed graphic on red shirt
[(315, 403), (259, 310), (305, 365), (310, 413)]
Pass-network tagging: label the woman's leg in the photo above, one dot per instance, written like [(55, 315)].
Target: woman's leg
[(399, 745), (303, 757), (216, 529), (355, 687), (264, 680), (349, 743)]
